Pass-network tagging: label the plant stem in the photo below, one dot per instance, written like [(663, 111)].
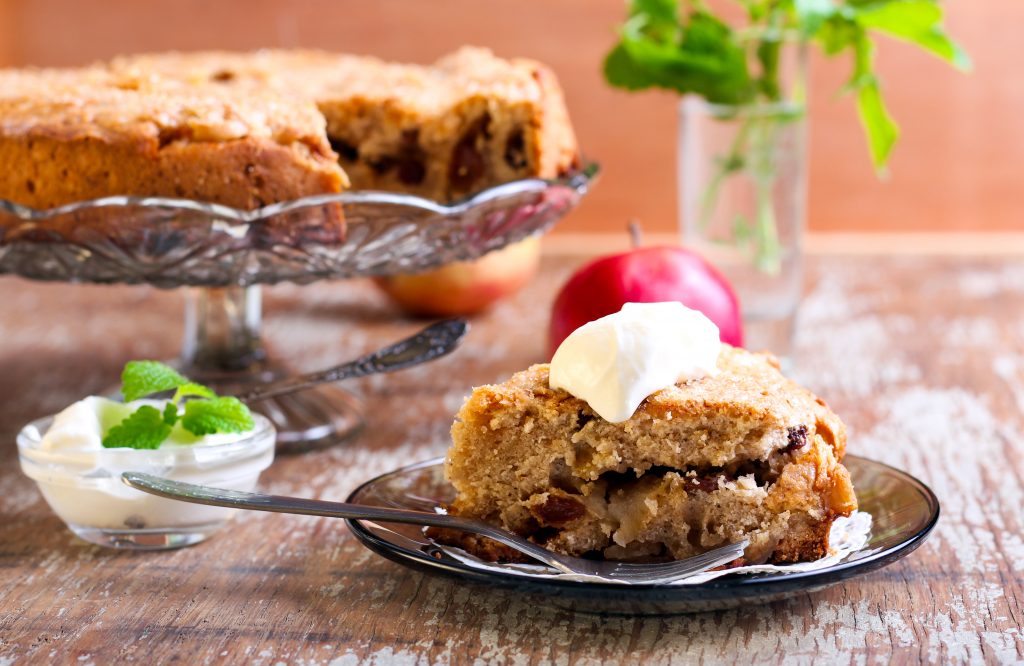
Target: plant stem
[(753, 152), (767, 254), (732, 162), (636, 237)]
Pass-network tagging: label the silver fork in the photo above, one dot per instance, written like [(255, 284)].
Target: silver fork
[(625, 572)]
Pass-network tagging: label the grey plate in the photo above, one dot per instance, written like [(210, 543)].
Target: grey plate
[(903, 509)]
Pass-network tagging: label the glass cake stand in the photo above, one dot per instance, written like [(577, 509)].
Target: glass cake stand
[(226, 254)]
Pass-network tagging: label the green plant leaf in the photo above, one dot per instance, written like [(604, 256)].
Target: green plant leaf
[(660, 16), (882, 131), (621, 71), (193, 390), (145, 428), (142, 378), (170, 413), (837, 34), (216, 415), (706, 61), (918, 22)]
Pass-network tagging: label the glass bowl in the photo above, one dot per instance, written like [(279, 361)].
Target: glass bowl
[(85, 490)]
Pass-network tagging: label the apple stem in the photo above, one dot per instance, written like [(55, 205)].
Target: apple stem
[(635, 235)]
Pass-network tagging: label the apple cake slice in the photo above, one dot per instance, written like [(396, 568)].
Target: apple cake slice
[(746, 453)]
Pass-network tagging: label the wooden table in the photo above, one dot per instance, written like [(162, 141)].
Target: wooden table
[(923, 357)]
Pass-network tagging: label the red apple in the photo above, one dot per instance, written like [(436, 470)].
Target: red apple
[(465, 287), (646, 275)]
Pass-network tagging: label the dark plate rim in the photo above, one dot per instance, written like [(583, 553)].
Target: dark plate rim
[(747, 583)]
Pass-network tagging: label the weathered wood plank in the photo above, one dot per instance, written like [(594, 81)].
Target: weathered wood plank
[(924, 358)]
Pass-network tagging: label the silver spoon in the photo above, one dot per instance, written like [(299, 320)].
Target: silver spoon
[(647, 573), (432, 342)]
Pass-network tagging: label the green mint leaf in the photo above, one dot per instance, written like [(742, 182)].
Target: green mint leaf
[(842, 33), (660, 18), (838, 33), (881, 130), (717, 60), (216, 415), (879, 127), (918, 22), (707, 60), (144, 428), (193, 390), (621, 71), (170, 413), (142, 378)]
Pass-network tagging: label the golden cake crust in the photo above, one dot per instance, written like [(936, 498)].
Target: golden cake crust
[(83, 134)]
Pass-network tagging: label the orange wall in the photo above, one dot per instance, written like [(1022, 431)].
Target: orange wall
[(960, 165)]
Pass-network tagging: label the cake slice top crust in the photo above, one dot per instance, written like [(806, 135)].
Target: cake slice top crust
[(749, 411), (749, 389)]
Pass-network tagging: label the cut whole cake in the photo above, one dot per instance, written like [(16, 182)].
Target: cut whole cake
[(444, 131), (743, 454), (250, 129)]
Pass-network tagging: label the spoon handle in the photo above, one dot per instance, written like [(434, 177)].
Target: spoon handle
[(236, 499), (432, 342)]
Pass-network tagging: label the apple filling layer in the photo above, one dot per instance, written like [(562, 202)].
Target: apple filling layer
[(744, 454), (784, 506)]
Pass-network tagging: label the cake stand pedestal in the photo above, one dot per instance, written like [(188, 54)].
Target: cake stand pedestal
[(222, 348), (223, 254)]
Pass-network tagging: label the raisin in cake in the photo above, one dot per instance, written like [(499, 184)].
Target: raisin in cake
[(746, 453), (468, 122)]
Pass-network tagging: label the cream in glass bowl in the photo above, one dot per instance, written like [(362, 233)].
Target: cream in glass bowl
[(80, 478)]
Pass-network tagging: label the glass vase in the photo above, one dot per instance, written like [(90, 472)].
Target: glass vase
[(742, 187)]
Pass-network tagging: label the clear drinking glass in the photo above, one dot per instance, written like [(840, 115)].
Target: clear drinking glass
[(742, 186)]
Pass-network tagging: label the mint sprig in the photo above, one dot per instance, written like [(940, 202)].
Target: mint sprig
[(206, 417), (145, 428), (142, 378), (685, 47), (204, 412)]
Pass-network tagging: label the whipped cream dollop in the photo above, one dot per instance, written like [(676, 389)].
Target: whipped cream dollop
[(82, 425), (615, 362)]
